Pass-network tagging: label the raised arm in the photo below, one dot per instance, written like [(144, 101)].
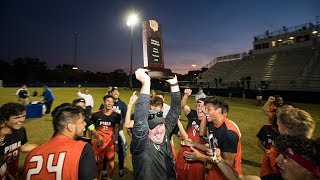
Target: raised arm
[(133, 99), (182, 131), (266, 106), (140, 127), (203, 127), (173, 114), (185, 108)]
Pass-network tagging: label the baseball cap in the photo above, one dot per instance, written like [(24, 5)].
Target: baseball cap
[(155, 117), (75, 101), (114, 88)]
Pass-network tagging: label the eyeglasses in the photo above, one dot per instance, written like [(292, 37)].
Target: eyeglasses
[(158, 114)]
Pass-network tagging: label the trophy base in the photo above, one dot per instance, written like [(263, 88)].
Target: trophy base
[(160, 73)]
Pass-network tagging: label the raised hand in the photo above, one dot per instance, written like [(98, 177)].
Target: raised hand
[(133, 98), (142, 76), (187, 92), (194, 155), (173, 80)]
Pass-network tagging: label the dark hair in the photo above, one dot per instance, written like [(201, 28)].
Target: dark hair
[(108, 96), (225, 108), (276, 100), (217, 103), (10, 109), (301, 145), (201, 99), (58, 108), (63, 114), (156, 101), (158, 92)]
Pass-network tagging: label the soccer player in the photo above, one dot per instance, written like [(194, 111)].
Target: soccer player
[(63, 157), (15, 136), (225, 135), (271, 106), (107, 125), (186, 169), (150, 147), (80, 102), (295, 163), (121, 108), (293, 122), (266, 137)]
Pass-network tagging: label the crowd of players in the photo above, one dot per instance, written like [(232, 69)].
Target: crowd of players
[(84, 146)]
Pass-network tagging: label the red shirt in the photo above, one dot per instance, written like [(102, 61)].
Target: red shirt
[(57, 159)]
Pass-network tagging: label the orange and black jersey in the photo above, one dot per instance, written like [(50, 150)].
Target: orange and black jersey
[(105, 124), (267, 135), (227, 138), (10, 149), (61, 158)]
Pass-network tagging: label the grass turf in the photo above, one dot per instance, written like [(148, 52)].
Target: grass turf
[(243, 112)]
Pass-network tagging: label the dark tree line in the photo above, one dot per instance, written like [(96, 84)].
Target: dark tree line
[(34, 71)]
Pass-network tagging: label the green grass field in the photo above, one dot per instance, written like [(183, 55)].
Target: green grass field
[(244, 113)]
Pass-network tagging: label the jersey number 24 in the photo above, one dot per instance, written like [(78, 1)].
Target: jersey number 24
[(50, 167)]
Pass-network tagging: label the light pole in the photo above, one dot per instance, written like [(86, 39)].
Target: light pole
[(75, 51), (132, 19)]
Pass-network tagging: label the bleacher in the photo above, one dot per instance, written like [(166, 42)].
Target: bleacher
[(219, 70), (287, 59), (281, 70)]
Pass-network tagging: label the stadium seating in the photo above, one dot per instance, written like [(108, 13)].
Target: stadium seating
[(287, 69)]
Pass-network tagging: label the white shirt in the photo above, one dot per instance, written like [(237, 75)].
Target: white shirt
[(165, 109), (87, 97), (200, 95), (17, 93)]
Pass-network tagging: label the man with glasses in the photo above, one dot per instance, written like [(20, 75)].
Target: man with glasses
[(150, 145)]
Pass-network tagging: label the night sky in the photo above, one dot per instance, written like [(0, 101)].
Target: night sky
[(194, 32)]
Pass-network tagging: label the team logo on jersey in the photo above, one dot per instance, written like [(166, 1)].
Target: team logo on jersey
[(12, 147)]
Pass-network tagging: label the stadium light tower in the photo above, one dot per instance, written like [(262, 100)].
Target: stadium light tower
[(75, 50), (132, 20)]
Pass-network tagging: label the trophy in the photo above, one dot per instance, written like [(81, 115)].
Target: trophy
[(153, 51)]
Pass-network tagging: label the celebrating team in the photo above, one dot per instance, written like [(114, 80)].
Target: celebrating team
[(210, 144)]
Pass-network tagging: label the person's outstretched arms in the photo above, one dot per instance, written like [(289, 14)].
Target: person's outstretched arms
[(174, 112), (140, 128), (266, 106), (133, 99), (185, 108)]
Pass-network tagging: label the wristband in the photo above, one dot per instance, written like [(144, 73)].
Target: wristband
[(217, 161), (175, 84), (91, 127), (116, 142)]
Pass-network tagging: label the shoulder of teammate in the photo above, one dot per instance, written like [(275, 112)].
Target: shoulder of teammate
[(87, 163), (117, 117)]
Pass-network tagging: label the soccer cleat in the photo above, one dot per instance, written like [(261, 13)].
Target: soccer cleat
[(121, 173), (104, 173)]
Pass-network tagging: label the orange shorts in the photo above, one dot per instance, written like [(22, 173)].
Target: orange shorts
[(106, 150)]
